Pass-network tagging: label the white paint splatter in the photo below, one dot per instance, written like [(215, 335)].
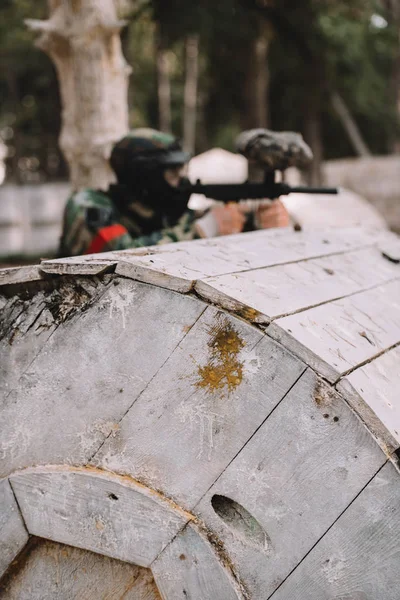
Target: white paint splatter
[(201, 416), (119, 302), (250, 361)]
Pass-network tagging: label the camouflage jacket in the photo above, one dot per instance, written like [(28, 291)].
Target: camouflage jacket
[(92, 223)]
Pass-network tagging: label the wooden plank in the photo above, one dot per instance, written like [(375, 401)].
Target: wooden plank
[(92, 264), (181, 281), (302, 468), (27, 322), (13, 535), (54, 571), (217, 387), (90, 371), (337, 337), (373, 391), (358, 559), (190, 568), (12, 275), (286, 289), (179, 265), (25, 326), (96, 511)]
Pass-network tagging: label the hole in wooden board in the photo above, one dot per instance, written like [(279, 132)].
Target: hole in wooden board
[(241, 523)]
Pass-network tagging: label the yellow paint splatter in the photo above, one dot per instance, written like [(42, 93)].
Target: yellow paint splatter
[(224, 368)]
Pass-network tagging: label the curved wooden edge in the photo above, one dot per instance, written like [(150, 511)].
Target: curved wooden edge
[(189, 568), (13, 534), (116, 516)]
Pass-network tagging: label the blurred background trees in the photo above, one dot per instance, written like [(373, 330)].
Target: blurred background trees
[(206, 70)]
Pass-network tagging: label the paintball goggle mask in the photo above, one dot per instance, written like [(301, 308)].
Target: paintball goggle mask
[(150, 164)]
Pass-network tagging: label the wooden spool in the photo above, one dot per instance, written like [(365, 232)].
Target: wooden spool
[(215, 419)]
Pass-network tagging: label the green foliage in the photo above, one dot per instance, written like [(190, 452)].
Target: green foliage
[(317, 47), (29, 98)]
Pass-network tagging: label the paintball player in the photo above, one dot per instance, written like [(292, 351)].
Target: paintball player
[(146, 207)]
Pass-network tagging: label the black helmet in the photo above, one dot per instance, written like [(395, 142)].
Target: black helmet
[(143, 150), (139, 160)]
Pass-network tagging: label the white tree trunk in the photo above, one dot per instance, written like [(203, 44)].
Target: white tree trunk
[(82, 38)]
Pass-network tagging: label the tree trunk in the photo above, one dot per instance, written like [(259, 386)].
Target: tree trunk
[(163, 85), (82, 38), (190, 92), (257, 89), (350, 126), (313, 137)]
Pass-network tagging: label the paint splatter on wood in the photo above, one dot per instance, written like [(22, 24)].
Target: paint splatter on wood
[(224, 369)]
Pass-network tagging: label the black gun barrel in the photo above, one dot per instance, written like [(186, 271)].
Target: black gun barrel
[(313, 190), (234, 192)]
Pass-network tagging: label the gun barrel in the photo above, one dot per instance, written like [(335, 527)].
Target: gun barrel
[(235, 192), (313, 190)]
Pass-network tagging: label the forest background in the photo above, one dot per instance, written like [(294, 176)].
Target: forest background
[(327, 68)]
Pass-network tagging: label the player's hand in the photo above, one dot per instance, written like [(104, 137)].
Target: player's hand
[(271, 215), (230, 219), (221, 220)]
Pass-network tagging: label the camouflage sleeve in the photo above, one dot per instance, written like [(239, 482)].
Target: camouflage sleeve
[(183, 230), (90, 226)]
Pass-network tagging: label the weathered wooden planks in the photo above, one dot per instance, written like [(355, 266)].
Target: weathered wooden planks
[(302, 468), (217, 387), (207, 409), (92, 264), (189, 568), (285, 289), (25, 326), (337, 337), (91, 370), (13, 535), (54, 571), (373, 391), (358, 559), (12, 275), (95, 511), (180, 265)]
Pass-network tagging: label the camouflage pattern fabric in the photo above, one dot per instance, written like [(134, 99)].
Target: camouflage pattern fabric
[(274, 150), (92, 223)]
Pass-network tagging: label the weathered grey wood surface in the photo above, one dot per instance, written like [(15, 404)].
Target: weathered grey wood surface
[(28, 320), (53, 571), (358, 559), (13, 535), (373, 390), (82, 381), (94, 511), (178, 266), (188, 569), (138, 404), (286, 289), (301, 469), (12, 275), (188, 262), (210, 396), (336, 338)]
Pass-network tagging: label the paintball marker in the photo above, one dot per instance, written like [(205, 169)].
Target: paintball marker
[(267, 152), (234, 192)]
